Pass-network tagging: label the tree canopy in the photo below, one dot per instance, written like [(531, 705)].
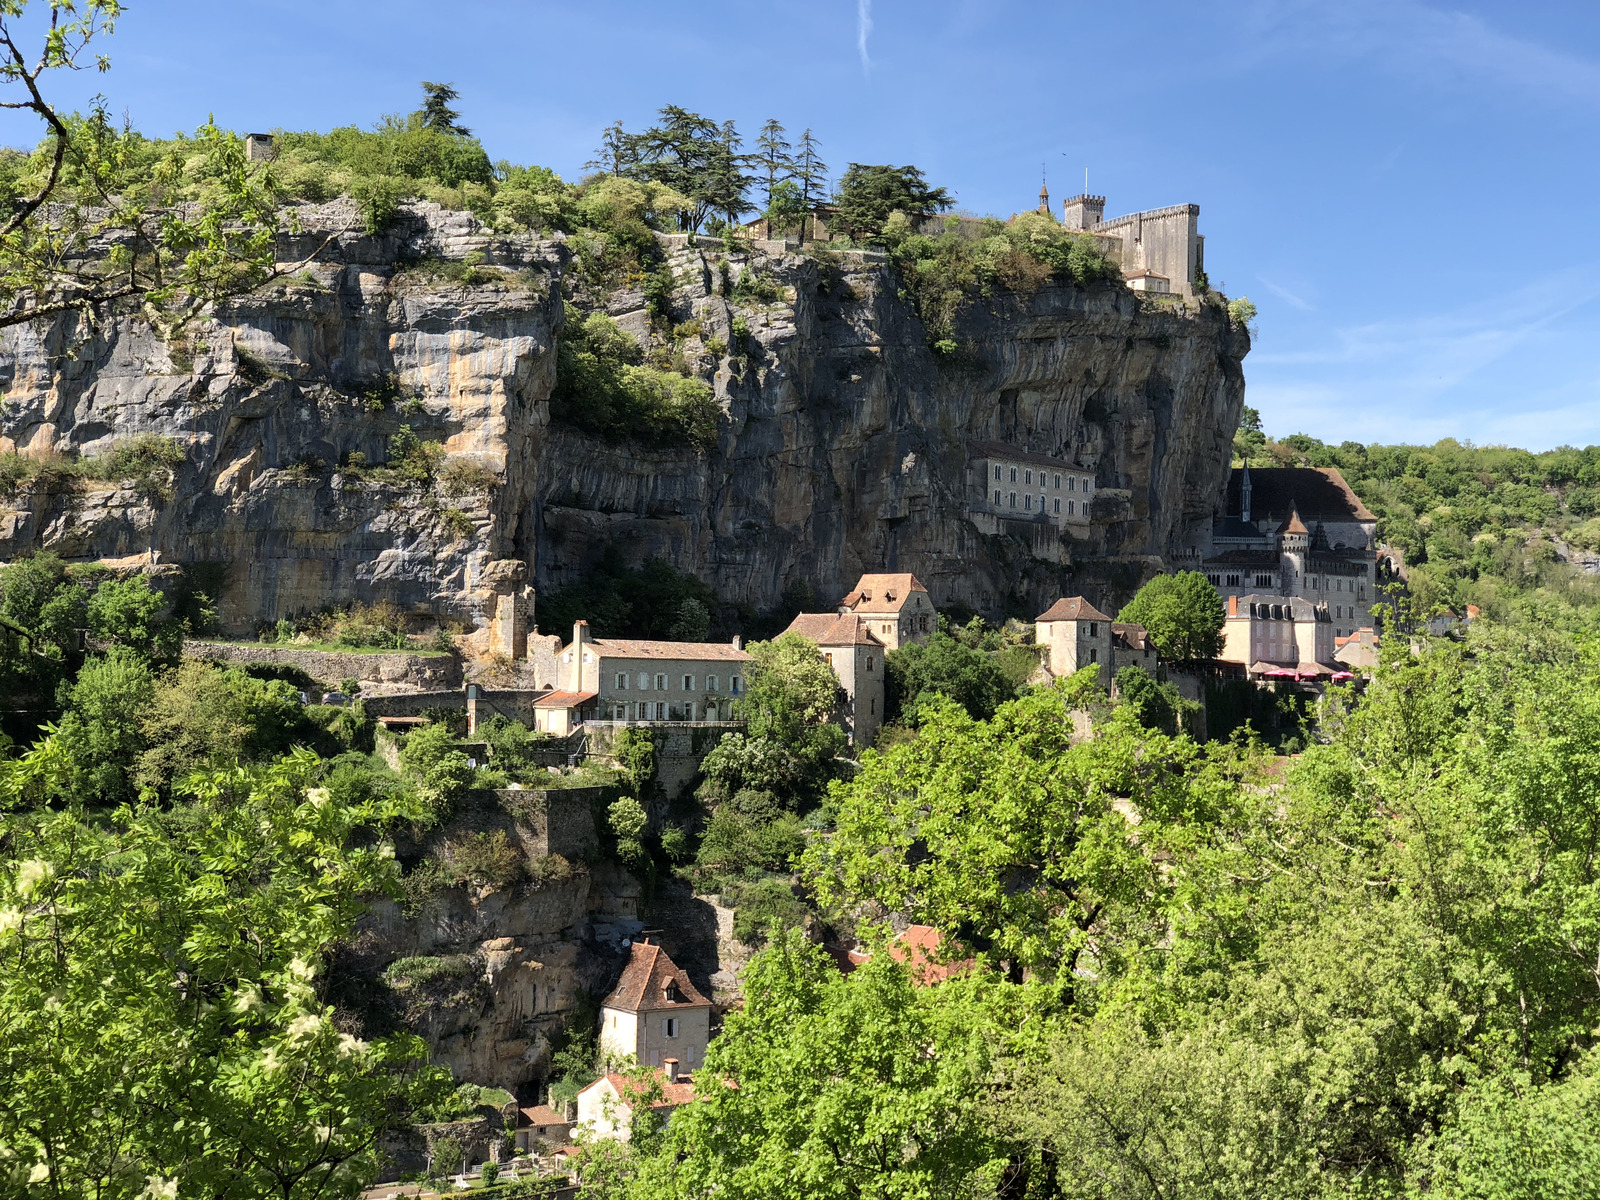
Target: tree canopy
[(1183, 615)]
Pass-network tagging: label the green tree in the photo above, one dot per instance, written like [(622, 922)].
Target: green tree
[(1183, 615), (165, 1033), (811, 174), (775, 160), (102, 735), (1156, 705), (698, 159), (919, 674), (868, 195), (1249, 442), (848, 1086), (1008, 833), (128, 612), (792, 740), (436, 111)]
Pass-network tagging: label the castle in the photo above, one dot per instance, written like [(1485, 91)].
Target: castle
[(1161, 250)]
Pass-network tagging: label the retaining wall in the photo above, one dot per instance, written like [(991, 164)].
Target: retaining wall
[(330, 666)]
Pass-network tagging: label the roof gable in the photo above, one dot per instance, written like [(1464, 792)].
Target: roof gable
[(652, 981), (1072, 608), (883, 593), (834, 629)]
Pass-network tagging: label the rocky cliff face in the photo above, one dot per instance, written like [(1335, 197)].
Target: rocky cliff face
[(844, 445)]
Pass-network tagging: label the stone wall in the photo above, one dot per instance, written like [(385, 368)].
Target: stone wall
[(423, 671), (680, 747)]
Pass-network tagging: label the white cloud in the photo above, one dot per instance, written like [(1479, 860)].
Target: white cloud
[(863, 31), (1284, 294)]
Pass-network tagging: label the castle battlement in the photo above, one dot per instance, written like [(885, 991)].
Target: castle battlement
[(1165, 241)]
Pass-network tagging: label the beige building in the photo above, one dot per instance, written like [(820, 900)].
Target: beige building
[(1076, 635), (655, 1014), (856, 655), (1297, 532), (630, 679), (896, 608), (1144, 280), (1011, 484), (1359, 649), (1285, 634), (605, 1107)]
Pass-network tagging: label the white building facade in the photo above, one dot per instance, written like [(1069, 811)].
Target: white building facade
[(643, 681)]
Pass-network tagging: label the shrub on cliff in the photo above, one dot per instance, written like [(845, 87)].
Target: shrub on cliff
[(602, 388)]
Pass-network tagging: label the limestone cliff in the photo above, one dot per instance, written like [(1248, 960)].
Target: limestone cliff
[(843, 446)]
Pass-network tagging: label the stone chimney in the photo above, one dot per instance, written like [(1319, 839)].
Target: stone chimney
[(1233, 606), (671, 1065), (580, 638), (738, 642)]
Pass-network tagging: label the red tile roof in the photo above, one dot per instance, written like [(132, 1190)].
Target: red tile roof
[(1134, 637), (1072, 608), (638, 648), (882, 593), (833, 629), (545, 1116), (672, 1094), (1293, 523), (565, 699), (645, 980)]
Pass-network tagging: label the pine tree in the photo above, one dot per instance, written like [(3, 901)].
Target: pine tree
[(436, 110), (812, 175), (774, 159)]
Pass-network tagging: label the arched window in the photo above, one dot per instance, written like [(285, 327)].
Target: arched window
[(1013, 474), (1058, 481)]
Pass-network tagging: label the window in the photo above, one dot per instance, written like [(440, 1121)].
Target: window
[(997, 472), (1013, 502), (711, 683), (688, 683), (1233, 581), (1072, 508), (733, 685), (688, 711), (827, 657), (1094, 628), (1338, 610), (1013, 474), (644, 682), (1058, 482), (655, 1058), (622, 681), (661, 683), (669, 1027), (1058, 504), (1361, 592), (1041, 503), (869, 664), (1072, 483), (873, 707), (1027, 477), (1094, 656), (997, 497), (1263, 580), (1027, 503)]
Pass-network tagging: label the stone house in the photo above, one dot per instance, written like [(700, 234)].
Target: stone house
[(1145, 280), (636, 680), (896, 608), (654, 1014), (605, 1107), (1010, 484), (1359, 649), (1269, 634), (541, 1123), (1297, 532), (1076, 635), (856, 655)]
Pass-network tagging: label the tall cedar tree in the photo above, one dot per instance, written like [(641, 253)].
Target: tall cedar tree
[(868, 194)]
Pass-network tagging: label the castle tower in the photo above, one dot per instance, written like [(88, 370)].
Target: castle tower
[(1083, 211), (1294, 541)]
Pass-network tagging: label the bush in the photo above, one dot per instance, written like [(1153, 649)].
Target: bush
[(763, 905), (602, 388), (945, 667), (147, 463)]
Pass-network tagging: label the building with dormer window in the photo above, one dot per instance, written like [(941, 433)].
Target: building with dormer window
[(1297, 532), (895, 608), (655, 1013)]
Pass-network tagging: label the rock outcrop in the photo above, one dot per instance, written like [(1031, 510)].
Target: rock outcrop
[(843, 446)]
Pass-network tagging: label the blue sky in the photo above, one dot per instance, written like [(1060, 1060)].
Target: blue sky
[(1408, 191)]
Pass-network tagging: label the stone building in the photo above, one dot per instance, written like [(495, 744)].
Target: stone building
[(605, 1107), (896, 608), (1269, 633), (1078, 635), (1009, 484), (632, 679), (1166, 241), (1298, 532), (856, 655), (654, 1014)]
